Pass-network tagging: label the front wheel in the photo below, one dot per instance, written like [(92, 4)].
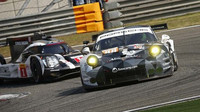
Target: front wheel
[(36, 70), (175, 62)]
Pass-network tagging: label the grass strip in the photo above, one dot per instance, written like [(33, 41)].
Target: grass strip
[(190, 106)]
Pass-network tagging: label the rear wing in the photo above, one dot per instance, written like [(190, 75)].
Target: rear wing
[(17, 45), (160, 26)]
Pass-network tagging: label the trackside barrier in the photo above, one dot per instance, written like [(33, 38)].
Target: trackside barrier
[(88, 18), (120, 12), (55, 23), (78, 19)]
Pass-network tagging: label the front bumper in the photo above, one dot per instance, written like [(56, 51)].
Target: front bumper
[(57, 73), (103, 76)]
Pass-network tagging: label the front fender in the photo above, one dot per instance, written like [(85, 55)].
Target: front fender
[(28, 62)]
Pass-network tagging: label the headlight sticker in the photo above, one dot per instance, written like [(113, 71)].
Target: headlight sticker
[(154, 50), (52, 61), (92, 60)]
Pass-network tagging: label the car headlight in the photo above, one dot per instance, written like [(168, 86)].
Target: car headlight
[(154, 50), (52, 61), (92, 61)]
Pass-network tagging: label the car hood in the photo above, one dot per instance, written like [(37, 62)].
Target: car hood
[(136, 51)]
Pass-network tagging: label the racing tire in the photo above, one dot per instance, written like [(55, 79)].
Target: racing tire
[(36, 70), (2, 60), (1, 81), (175, 63)]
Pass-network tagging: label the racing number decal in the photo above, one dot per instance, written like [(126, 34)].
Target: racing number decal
[(22, 68), (112, 50)]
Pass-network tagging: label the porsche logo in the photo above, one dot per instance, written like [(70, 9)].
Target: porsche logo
[(114, 70)]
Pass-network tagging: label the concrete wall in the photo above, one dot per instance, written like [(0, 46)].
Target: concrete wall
[(10, 8)]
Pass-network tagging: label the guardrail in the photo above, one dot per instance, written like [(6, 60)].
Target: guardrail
[(121, 12), (72, 20), (78, 19), (51, 23)]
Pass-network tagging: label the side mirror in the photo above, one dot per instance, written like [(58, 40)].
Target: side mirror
[(85, 50), (94, 37), (26, 54), (165, 38)]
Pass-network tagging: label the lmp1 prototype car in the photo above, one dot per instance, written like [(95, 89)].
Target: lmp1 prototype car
[(39, 58), (127, 54)]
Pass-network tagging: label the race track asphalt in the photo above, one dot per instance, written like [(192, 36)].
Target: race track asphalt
[(67, 95)]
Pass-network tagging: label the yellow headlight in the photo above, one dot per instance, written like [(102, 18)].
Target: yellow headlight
[(154, 50), (92, 61)]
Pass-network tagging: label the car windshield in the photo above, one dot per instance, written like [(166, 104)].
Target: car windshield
[(124, 41), (57, 49)]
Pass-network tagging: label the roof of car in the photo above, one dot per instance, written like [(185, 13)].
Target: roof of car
[(122, 28), (123, 31)]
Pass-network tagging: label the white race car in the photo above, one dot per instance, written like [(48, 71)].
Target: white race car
[(127, 54), (39, 58)]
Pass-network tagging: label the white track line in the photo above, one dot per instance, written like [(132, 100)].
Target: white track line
[(180, 28), (162, 104), (12, 96)]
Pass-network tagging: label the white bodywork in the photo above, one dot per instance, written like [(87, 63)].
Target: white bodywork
[(20, 69), (23, 69), (86, 74), (17, 70)]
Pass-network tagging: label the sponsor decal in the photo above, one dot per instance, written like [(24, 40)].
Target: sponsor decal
[(138, 46), (4, 70), (124, 58), (22, 43), (77, 58), (115, 70), (113, 59), (123, 32)]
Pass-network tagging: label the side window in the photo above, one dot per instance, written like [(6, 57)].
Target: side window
[(67, 48), (33, 50)]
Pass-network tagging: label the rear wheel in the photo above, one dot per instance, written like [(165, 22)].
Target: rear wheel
[(36, 70), (175, 62), (1, 81), (2, 60)]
